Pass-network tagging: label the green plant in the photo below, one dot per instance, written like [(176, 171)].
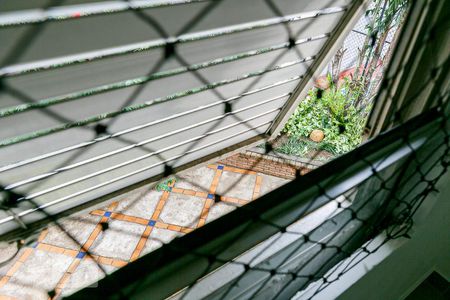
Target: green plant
[(387, 15), (335, 113), (165, 185), (298, 147)]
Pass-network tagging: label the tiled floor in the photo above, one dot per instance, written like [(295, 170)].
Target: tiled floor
[(109, 238)]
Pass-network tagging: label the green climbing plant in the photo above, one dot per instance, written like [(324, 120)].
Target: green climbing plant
[(333, 111), (165, 185)]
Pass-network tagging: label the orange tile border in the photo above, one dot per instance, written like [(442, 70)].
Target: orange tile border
[(189, 192), (141, 243), (186, 229), (104, 260), (201, 194), (145, 235), (4, 280), (15, 266), (26, 254), (118, 263), (13, 269), (84, 248), (155, 216), (70, 252), (177, 190), (257, 187), (73, 266), (97, 212), (161, 225), (174, 227), (215, 181)]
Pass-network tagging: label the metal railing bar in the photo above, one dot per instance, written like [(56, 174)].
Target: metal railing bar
[(132, 108), (15, 70), (43, 103), (137, 145), (136, 159), (142, 126), (54, 202), (68, 12)]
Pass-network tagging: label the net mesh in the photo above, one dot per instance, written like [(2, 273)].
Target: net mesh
[(375, 189)]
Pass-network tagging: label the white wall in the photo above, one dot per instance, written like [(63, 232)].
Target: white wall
[(401, 265)]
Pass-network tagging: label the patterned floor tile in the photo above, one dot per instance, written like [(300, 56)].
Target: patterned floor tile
[(157, 238), (198, 179), (218, 210), (236, 185), (78, 228), (33, 279), (142, 206), (17, 289), (269, 183), (87, 274), (182, 210), (130, 234), (7, 251), (118, 241)]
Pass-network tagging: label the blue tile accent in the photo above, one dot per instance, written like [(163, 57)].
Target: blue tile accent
[(151, 223), (219, 167), (210, 196), (80, 255), (107, 214)]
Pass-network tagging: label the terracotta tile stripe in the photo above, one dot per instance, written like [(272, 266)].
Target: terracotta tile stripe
[(21, 260), (233, 200), (201, 194), (42, 235), (69, 252), (186, 229), (144, 237), (161, 225), (56, 249), (189, 192), (160, 205), (215, 182), (177, 190), (173, 227), (205, 212), (257, 187), (118, 263), (106, 260), (141, 244), (16, 266), (84, 248), (73, 266)]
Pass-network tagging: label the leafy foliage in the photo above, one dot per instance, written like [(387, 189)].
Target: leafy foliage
[(386, 14), (335, 112), (300, 147), (164, 185)]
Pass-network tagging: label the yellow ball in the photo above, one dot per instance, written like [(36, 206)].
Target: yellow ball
[(317, 135)]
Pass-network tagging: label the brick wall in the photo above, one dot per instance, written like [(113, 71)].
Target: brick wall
[(266, 165)]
